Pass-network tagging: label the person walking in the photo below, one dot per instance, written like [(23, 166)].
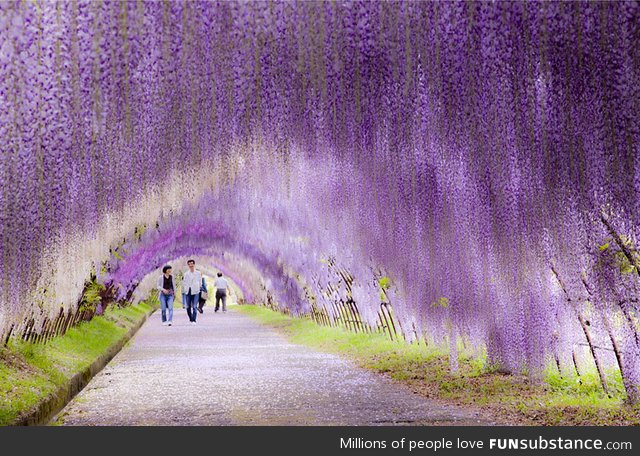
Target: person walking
[(184, 293), (191, 283), (167, 286), (203, 296), (222, 286)]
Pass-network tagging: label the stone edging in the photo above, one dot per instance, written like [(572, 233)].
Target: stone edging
[(55, 402)]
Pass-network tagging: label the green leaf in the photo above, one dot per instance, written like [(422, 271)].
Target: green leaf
[(627, 268), (441, 302)]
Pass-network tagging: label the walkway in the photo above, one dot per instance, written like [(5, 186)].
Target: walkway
[(230, 370)]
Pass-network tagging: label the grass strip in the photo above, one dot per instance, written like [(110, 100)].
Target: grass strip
[(32, 373)]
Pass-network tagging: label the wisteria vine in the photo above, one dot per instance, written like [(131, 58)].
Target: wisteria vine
[(485, 156)]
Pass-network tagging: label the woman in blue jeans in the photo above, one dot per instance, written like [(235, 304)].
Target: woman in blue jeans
[(167, 287)]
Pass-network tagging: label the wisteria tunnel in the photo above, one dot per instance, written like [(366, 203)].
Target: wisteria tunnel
[(468, 170)]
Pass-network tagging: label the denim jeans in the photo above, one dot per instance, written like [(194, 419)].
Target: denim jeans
[(221, 295), (166, 302), (192, 305)]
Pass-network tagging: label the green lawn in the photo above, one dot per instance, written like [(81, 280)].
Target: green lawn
[(31, 372), (553, 400)]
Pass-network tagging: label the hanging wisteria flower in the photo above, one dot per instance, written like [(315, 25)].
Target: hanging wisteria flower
[(482, 154)]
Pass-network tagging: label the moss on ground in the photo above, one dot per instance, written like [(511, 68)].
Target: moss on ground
[(29, 373), (515, 399)]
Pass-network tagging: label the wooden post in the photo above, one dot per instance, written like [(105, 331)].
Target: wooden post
[(382, 327), (386, 321), (337, 316), (76, 316), (60, 321), (67, 322), (330, 321), (393, 325), (415, 333), (33, 334), (321, 317), (37, 338), (351, 315), (555, 354), (583, 325), (27, 330), (631, 394), (8, 336), (345, 316), (575, 363), (46, 328), (356, 313)]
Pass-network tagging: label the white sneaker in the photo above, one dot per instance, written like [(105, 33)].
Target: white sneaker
[(164, 323), (169, 324), (193, 322)]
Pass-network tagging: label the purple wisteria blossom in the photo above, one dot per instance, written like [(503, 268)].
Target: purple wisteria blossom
[(484, 156)]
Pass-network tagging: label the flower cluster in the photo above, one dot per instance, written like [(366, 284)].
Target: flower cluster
[(485, 155)]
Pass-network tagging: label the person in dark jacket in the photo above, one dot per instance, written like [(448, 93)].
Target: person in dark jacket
[(167, 286), (203, 296)]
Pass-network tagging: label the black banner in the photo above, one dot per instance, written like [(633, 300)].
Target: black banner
[(282, 441)]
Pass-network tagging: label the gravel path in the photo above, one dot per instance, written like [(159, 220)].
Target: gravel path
[(230, 370)]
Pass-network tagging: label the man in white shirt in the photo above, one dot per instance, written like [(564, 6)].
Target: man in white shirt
[(191, 283), (222, 286)]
